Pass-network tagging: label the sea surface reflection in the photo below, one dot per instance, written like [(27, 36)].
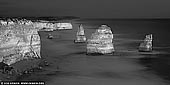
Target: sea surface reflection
[(70, 66)]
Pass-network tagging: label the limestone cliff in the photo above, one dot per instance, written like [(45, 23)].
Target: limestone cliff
[(19, 39), (18, 42)]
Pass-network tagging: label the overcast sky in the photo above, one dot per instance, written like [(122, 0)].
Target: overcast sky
[(87, 8)]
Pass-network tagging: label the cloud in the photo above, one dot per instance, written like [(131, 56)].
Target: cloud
[(87, 8)]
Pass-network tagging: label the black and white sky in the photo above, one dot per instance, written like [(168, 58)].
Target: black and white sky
[(87, 8)]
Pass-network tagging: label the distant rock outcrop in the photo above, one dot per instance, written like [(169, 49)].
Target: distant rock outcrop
[(146, 46), (40, 24), (101, 41), (80, 37), (45, 26), (64, 26)]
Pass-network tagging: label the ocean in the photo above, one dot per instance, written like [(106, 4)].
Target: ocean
[(133, 31), (69, 64)]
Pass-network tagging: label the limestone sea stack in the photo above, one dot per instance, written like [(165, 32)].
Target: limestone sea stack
[(146, 46), (80, 37), (101, 42), (50, 36)]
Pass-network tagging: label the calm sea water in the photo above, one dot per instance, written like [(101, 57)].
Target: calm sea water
[(70, 66), (133, 31)]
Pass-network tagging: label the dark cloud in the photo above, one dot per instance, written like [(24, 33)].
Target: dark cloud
[(86, 8)]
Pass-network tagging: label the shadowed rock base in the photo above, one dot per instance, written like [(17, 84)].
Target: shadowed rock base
[(98, 54)]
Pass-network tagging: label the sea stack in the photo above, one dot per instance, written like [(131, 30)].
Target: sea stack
[(80, 37), (101, 42), (146, 46), (50, 36)]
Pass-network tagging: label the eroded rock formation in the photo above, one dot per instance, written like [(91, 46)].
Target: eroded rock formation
[(41, 24), (64, 26), (101, 41), (146, 46), (80, 37), (45, 26), (19, 38), (18, 42)]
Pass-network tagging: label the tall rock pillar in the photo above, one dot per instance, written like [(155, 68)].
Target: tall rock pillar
[(80, 37)]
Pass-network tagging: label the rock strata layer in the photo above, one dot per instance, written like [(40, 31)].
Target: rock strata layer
[(146, 46), (18, 42), (41, 25), (19, 38), (80, 37), (101, 41)]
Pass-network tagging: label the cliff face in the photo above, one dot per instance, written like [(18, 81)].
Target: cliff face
[(101, 41), (18, 42), (41, 25), (19, 39), (47, 26)]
